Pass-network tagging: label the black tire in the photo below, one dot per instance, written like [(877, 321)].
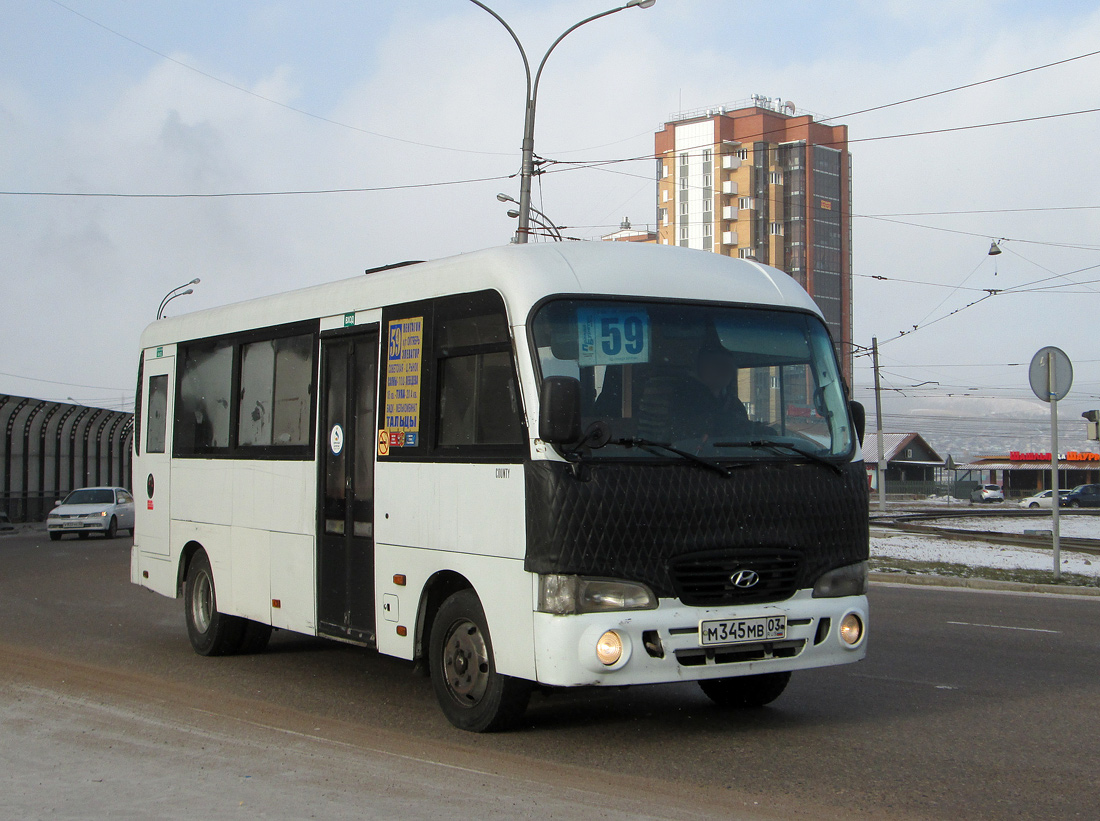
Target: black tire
[(112, 529), (254, 637), (1033, 506), (745, 691), (55, 535), (211, 633), (472, 694)]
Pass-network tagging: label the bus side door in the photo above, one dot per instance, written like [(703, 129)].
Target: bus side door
[(345, 561), (153, 481)]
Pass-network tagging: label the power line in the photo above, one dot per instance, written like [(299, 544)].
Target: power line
[(973, 126), (983, 211), (962, 87), (1076, 246), (65, 384), (593, 164), (228, 194)]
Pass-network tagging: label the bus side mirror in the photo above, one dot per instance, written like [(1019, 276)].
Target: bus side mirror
[(560, 410), (859, 419)]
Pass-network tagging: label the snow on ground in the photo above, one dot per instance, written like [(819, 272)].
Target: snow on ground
[(1069, 524), (923, 548)]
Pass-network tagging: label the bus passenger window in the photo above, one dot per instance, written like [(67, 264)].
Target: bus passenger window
[(202, 407), (275, 391)]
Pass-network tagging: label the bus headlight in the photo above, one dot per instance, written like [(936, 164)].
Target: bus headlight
[(564, 595), (850, 580)]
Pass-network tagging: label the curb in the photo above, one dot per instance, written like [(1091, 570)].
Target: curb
[(919, 580)]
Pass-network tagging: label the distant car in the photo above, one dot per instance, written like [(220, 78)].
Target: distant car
[(1083, 496), (1042, 499), (987, 493), (105, 510)]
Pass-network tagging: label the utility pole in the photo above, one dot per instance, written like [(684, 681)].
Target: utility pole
[(880, 470)]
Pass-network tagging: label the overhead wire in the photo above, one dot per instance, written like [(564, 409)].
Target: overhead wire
[(55, 382), (231, 194), (961, 87)]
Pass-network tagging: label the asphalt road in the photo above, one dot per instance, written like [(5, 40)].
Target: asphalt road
[(970, 704)]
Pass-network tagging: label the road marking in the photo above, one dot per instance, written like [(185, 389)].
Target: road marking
[(1005, 627), (897, 680)]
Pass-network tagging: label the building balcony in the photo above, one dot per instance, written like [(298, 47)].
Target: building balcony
[(729, 212), (729, 237), (731, 162), (729, 188)]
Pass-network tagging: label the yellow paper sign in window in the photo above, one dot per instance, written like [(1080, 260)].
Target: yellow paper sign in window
[(404, 354)]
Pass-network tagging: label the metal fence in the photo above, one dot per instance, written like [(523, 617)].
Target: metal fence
[(49, 448)]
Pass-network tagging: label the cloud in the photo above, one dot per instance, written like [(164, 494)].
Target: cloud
[(92, 113)]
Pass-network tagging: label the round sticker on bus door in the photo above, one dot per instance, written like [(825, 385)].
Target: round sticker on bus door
[(336, 440)]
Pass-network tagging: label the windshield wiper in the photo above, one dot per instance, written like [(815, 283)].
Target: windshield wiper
[(778, 445), (651, 446)]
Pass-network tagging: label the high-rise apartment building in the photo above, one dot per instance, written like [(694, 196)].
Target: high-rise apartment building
[(767, 183)]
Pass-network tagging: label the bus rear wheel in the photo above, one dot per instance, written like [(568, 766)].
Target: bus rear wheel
[(472, 694), (745, 691), (211, 633)]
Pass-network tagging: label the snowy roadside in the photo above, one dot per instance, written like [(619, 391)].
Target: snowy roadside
[(912, 547)]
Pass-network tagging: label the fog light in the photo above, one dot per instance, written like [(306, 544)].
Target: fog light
[(609, 649), (851, 629)]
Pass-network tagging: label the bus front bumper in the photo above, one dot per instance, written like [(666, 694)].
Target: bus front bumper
[(667, 644)]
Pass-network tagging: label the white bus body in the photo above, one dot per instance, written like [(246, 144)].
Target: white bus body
[(396, 460)]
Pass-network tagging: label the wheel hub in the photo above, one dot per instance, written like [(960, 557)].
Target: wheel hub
[(466, 663)]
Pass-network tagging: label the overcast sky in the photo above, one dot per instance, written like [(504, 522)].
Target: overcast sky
[(266, 97)]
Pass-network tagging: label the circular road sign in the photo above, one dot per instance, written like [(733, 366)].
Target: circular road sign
[(1050, 374)]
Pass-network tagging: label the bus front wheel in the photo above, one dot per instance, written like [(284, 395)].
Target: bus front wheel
[(211, 633), (473, 695), (745, 691)]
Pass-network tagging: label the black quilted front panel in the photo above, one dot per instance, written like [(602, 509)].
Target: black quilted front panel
[(631, 521), (710, 579)]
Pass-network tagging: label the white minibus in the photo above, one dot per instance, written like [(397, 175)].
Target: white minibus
[(544, 465)]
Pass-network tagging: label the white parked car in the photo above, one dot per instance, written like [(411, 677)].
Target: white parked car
[(1042, 499), (987, 493), (105, 510)]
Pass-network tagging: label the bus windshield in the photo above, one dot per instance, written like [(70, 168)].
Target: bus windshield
[(715, 381)]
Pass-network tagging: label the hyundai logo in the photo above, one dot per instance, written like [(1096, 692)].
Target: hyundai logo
[(745, 579)]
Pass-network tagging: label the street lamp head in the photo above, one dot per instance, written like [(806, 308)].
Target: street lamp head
[(505, 198), (994, 249), (195, 281), (513, 213), (642, 4)]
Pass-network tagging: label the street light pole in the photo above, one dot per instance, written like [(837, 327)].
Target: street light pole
[(175, 292), (527, 164), (880, 468), (540, 218)]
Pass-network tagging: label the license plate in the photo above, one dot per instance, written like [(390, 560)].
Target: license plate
[(742, 631), (73, 524)]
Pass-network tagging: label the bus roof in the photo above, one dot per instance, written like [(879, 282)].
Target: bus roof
[(522, 274)]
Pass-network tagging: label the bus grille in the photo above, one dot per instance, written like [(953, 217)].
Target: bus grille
[(711, 579)]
